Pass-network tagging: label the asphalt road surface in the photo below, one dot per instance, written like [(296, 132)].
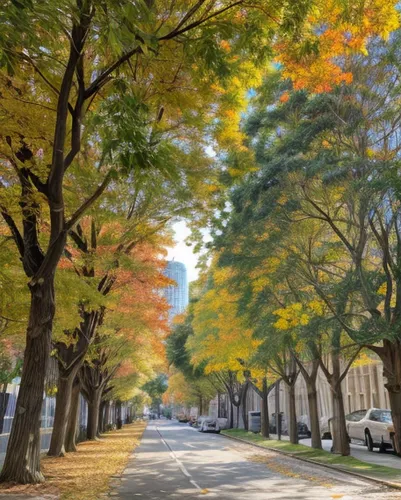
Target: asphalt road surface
[(175, 461)]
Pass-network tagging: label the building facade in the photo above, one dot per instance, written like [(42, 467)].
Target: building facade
[(177, 294), (363, 388)]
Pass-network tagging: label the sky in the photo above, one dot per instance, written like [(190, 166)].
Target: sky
[(183, 253)]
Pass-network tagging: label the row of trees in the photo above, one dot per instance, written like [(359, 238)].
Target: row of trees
[(105, 108), (305, 271)]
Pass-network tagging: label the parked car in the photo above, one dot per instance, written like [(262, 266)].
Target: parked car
[(373, 427), (182, 418), (209, 425), (325, 430)]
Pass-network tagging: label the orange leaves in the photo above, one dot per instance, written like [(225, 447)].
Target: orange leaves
[(334, 31)]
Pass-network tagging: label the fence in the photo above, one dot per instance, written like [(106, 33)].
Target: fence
[(48, 410)]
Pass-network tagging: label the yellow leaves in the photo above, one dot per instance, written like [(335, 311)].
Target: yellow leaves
[(260, 284), (382, 289), (363, 359), (282, 324), (304, 319), (317, 306), (297, 314), (337, 30)]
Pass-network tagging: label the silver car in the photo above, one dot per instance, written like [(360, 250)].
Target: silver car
[(209, 425), (374, 427)]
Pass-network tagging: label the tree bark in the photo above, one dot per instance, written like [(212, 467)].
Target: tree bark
[(93, 415), (101, 425), (72, 424), (3, 406), (338, 423), (107, 415), (265, 424), (390, 354), (314, 414), (293, 427), (119, 421), (22, 462), (238, 413), (231, 425), (245, 406), (339, 428), (61, 416), (278, 416), (395, 405)]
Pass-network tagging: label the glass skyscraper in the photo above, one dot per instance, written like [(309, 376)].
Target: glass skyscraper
[(177, 295)]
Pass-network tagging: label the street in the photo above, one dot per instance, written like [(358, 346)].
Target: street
[(175, 461)]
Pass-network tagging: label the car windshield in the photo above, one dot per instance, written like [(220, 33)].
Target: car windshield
[(381, 416), (356, 416)]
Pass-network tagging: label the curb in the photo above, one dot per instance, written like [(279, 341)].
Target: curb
[(383, 482)]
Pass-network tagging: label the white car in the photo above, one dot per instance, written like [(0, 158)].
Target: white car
[(373, 427), (209, 424)]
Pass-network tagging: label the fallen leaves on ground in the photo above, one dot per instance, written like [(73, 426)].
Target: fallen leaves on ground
[(277, 466), (86, 474)]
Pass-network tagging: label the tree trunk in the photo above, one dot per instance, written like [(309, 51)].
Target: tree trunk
[(278, 416), (395, 405), (265, 430), (338, 422), (101, 425), (22, 462), (119, 422), (63, 404), (293, 427), (314, 414), (3, 406), (71, 432), (390, 355), (107, 415), (231, 426), (245, 406), (238, 412), (93, 415)]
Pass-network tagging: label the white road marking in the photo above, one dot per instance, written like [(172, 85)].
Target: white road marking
[(179, 463)]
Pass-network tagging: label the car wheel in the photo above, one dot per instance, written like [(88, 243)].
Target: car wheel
[(369, 441)]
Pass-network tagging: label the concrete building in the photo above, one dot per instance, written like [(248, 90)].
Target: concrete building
[(177, 295), (363, 388)]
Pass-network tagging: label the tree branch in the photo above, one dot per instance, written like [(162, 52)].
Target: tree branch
[(88, 203)]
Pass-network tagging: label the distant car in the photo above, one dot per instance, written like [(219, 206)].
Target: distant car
[(325, 430), (373, 427), (209, 425)]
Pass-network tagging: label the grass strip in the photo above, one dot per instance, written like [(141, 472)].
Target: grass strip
[(348, 464), (85, 474)]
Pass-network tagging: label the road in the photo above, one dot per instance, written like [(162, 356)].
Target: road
[(175, 461)]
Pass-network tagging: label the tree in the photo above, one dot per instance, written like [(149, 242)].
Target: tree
[(58, 55), (155, 388)]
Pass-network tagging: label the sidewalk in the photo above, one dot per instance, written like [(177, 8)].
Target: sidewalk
[(388, 476), (388, 459)]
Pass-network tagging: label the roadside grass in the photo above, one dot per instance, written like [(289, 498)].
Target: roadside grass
[(350, 464), (86, 474)]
